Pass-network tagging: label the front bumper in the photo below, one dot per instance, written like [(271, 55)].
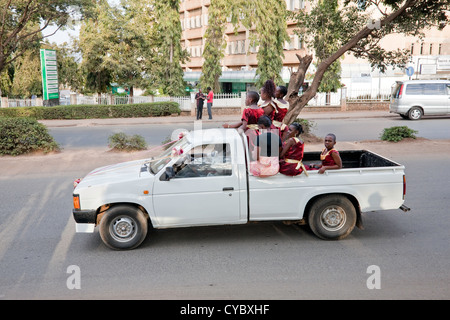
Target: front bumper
[(84, 216), (85, 220)]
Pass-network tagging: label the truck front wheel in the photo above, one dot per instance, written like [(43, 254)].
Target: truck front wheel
[(123, 227), (332, 217)]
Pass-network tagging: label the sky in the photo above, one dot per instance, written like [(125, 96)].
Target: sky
[(62, 36)]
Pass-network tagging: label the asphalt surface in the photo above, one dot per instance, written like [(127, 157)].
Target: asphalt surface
[(216, 119)]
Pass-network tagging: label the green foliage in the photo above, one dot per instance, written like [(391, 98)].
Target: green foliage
[(23, 135), (168, 55), (23, 21), (215, 44), (153, 109), (122, 142), (27, 75), (95, 39), (307, 125), (396, 134), (270, 35)]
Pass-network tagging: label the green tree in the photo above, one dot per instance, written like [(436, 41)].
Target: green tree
[(353, 32), (130, 48), (17, 18), (325, 20), (270, 34), (164, 66), (6, 80), (69, 70), (215, 44), (266, 22), (27, 75), (96, 35)]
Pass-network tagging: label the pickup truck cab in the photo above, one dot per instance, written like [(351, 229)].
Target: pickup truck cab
[(204, 179)]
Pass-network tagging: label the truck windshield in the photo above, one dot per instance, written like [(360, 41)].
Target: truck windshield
[(159, 161)]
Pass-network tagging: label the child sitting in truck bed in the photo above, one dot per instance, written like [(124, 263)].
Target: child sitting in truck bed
[(330, 156), (250, 115)]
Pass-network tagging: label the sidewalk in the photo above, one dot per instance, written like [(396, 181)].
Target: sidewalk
[(216, 119)]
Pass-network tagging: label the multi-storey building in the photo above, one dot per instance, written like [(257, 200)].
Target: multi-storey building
[(430, 57)]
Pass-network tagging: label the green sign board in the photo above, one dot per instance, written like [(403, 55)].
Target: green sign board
[(49, 74)]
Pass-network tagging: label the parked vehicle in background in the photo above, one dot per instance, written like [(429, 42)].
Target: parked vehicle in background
[(416, 98)]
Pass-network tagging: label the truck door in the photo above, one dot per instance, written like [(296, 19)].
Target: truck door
[(204, 189)]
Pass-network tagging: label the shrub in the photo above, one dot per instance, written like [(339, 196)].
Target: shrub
[(23, 135), (307, 125), (152, 109), (398, 133), (122, 142)]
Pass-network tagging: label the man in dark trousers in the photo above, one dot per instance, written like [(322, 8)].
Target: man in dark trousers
[(200, 97)]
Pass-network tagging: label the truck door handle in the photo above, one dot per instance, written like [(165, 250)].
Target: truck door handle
[(228, 189)]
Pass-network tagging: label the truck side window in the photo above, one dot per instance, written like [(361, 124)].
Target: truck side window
[(208, 160)]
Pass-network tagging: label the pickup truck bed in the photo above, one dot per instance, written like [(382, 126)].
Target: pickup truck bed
[(354, 159)]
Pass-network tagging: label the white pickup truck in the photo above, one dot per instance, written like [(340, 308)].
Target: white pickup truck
[(207, 182)]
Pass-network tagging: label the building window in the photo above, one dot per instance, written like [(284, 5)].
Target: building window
[(421, 48), (412, 49), (440, 49), (431, 48)]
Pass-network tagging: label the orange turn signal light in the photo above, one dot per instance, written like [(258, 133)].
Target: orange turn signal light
[(76, 201)]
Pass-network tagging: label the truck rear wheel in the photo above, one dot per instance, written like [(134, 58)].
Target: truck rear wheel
[(123, 227), (332, 217)]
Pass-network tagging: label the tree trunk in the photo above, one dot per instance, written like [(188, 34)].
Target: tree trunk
[(297, 103)]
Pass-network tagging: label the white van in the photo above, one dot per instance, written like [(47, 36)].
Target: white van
[(415, 98)]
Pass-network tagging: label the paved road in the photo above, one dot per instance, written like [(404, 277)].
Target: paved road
[(256, 261), (348, 126)]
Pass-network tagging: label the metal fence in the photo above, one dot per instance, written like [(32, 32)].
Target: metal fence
[(21, 102), (369, 95), (220, 99)]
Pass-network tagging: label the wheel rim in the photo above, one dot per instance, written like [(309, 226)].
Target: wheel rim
[(416, 113), (333, 218), (123, 229)]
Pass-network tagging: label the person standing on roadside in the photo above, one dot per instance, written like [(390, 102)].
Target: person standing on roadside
[(200, 97), (209, 101)]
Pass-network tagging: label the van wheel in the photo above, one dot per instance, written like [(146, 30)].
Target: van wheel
[(415, 113), (332, 217), (123, 227)]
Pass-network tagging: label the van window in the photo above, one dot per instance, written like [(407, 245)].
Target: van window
[(426, 89), (396, 91)]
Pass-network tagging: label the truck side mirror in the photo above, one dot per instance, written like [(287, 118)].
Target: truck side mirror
[(169, 174)]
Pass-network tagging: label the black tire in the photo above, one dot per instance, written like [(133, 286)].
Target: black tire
[(415, 113), (332, 217), (123, 227)]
